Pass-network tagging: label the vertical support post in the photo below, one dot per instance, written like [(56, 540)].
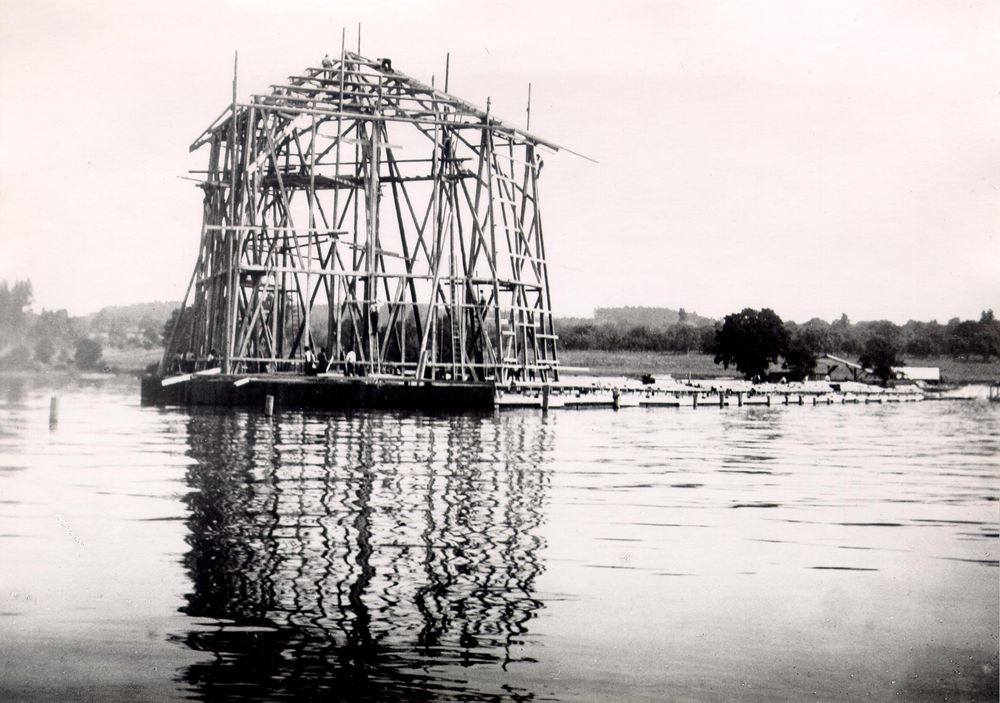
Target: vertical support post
[(527, 123), (335, 315), (268, 405), (232, 276)]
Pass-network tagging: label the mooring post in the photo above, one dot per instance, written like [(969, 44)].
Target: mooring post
[(268, 405), (722, 399), (786, 398), (768, 400), (53, 412), (801, 400), (694, 400), (545, 398), (815, 399), (739, 400), (616, 398)]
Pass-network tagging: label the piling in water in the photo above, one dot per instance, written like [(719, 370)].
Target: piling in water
[(269, 405)]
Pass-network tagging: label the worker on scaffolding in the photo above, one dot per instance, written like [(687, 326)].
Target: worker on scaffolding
[(310, 362), (477, 333)]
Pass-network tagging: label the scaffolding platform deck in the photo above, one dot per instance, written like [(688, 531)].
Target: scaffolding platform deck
[(318, 392)]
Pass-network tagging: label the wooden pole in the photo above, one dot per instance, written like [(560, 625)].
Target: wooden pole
[(268, 405), (527, 124), (227, 350)]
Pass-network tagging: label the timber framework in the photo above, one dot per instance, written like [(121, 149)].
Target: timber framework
[(357, 210)]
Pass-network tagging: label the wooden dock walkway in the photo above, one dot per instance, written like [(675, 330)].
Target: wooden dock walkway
[(582, 393), (335, 391)]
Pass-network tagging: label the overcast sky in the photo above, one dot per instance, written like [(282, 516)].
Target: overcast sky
[(811, 157)]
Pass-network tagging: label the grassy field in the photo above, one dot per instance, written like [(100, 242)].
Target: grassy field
[(959, 370), (631, 363), (130, 360), (637, 363), (608, 363)]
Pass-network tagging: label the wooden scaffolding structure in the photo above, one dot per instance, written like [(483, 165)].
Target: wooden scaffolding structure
[(353, 208)]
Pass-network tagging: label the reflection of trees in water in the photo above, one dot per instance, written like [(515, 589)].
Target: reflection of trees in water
[(353, 553)]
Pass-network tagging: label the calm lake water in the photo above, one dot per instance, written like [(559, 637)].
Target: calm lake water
[(783, 553)]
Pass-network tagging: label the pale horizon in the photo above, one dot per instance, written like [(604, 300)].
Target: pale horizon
[(813, 159)]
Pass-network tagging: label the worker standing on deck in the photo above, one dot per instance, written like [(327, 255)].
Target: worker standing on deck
[(322, 361), (310, 362), (349, 360)]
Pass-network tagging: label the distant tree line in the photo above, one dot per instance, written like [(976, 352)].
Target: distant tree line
[(53, 338), (963, 339), (50, 337), (677, 338)]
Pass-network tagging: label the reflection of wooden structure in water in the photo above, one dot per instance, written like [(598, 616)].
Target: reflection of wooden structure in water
[(430, 560), (355, 208)]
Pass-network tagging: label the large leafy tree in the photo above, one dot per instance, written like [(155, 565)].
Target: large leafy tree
[(14, 303), (802, 352), (88, 354), (750, 340), (182, 340), (880, 354)]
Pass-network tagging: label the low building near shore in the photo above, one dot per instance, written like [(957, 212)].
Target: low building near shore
[(930, 374)]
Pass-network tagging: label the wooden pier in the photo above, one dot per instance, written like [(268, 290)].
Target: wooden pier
[(695, 394), (337, 392)]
